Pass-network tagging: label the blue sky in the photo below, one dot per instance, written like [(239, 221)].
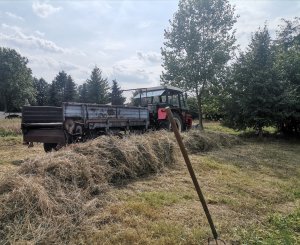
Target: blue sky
[(123, 38)]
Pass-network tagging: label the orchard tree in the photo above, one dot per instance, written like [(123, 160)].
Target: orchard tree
[(16, 82), (97, 87), (42, 91), (256, 88), (116, 97), (198, 46)]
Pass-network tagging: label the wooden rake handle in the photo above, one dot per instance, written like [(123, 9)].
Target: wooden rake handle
[(191, 171)]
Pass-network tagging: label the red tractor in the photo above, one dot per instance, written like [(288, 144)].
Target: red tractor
[(157, 98)]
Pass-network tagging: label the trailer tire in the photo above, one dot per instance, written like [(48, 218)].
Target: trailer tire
[(48, 147), (167, 125)]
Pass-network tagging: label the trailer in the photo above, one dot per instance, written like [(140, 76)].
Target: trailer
[(78, 122), (75, 122)]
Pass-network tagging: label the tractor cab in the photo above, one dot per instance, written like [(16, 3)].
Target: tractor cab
[(161, 96), (157, 98)]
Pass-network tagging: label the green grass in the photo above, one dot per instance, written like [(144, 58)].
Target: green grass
[(218, 127), (278, 230), (158, 199), (252, 191), (10, 127)]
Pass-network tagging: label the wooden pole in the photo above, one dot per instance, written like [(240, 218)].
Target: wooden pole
[(191, 171)]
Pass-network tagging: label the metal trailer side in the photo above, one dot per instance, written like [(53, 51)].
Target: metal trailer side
[(43, 124), (94, 116), (69, 123)]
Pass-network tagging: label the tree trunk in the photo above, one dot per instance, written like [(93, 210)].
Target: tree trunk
[(200, 112), (260, 132), (5, 103)]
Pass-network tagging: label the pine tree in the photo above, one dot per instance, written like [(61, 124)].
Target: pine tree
[(70, 90), (116, 97), (288, 65), (256, 89), (42, 91), (62, 89), (83, 93), (97, 87)]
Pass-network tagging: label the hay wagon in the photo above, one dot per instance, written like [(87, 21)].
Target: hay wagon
[(74, 122), (77, 122)]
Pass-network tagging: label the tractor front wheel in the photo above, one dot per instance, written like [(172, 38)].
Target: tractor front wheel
[(167, 125)]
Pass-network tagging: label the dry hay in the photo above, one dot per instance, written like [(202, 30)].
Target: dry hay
[(200, 141), (10, 127), (53, 198)]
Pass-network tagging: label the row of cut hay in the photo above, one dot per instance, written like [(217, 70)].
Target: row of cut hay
[(201, 141), (51, 199)]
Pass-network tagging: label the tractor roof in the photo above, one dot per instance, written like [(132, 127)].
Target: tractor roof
[(163, 87)]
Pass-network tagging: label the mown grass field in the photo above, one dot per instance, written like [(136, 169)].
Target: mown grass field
[(252, 190)]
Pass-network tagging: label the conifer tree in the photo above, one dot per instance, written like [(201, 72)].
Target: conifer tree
[(83, 93), (62, 89), (288, 64), (97, 87), (256, 89), (42, 91), (116, 97), (70, 92)]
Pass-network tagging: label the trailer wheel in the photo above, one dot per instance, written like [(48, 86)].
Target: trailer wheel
[(167, 125), (48, 147)]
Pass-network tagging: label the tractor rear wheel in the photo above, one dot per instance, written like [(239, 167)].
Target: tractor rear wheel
[(48, 147)]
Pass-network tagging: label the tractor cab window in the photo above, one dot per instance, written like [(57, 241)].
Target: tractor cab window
[(155, 100), (182, 101), (173, 100), (163, 99), (149, 97), (145, 101)]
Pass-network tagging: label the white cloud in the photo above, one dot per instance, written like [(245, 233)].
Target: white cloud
[(138, 70), (40, 33), (111, 45), (43, 10), (255, 14), (39, 64), (16, 36), (100, 7), (152, 57), (14, 16)]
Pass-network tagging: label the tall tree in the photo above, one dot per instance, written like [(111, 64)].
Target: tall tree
[(70, 89), (288, 65), (42, 91), (83, 93), (62, 89), (256, 88), (98, 87), (16, 83), (198, 45), (115, 96)]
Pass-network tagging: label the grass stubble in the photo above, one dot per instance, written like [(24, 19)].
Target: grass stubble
[(137, 190)]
